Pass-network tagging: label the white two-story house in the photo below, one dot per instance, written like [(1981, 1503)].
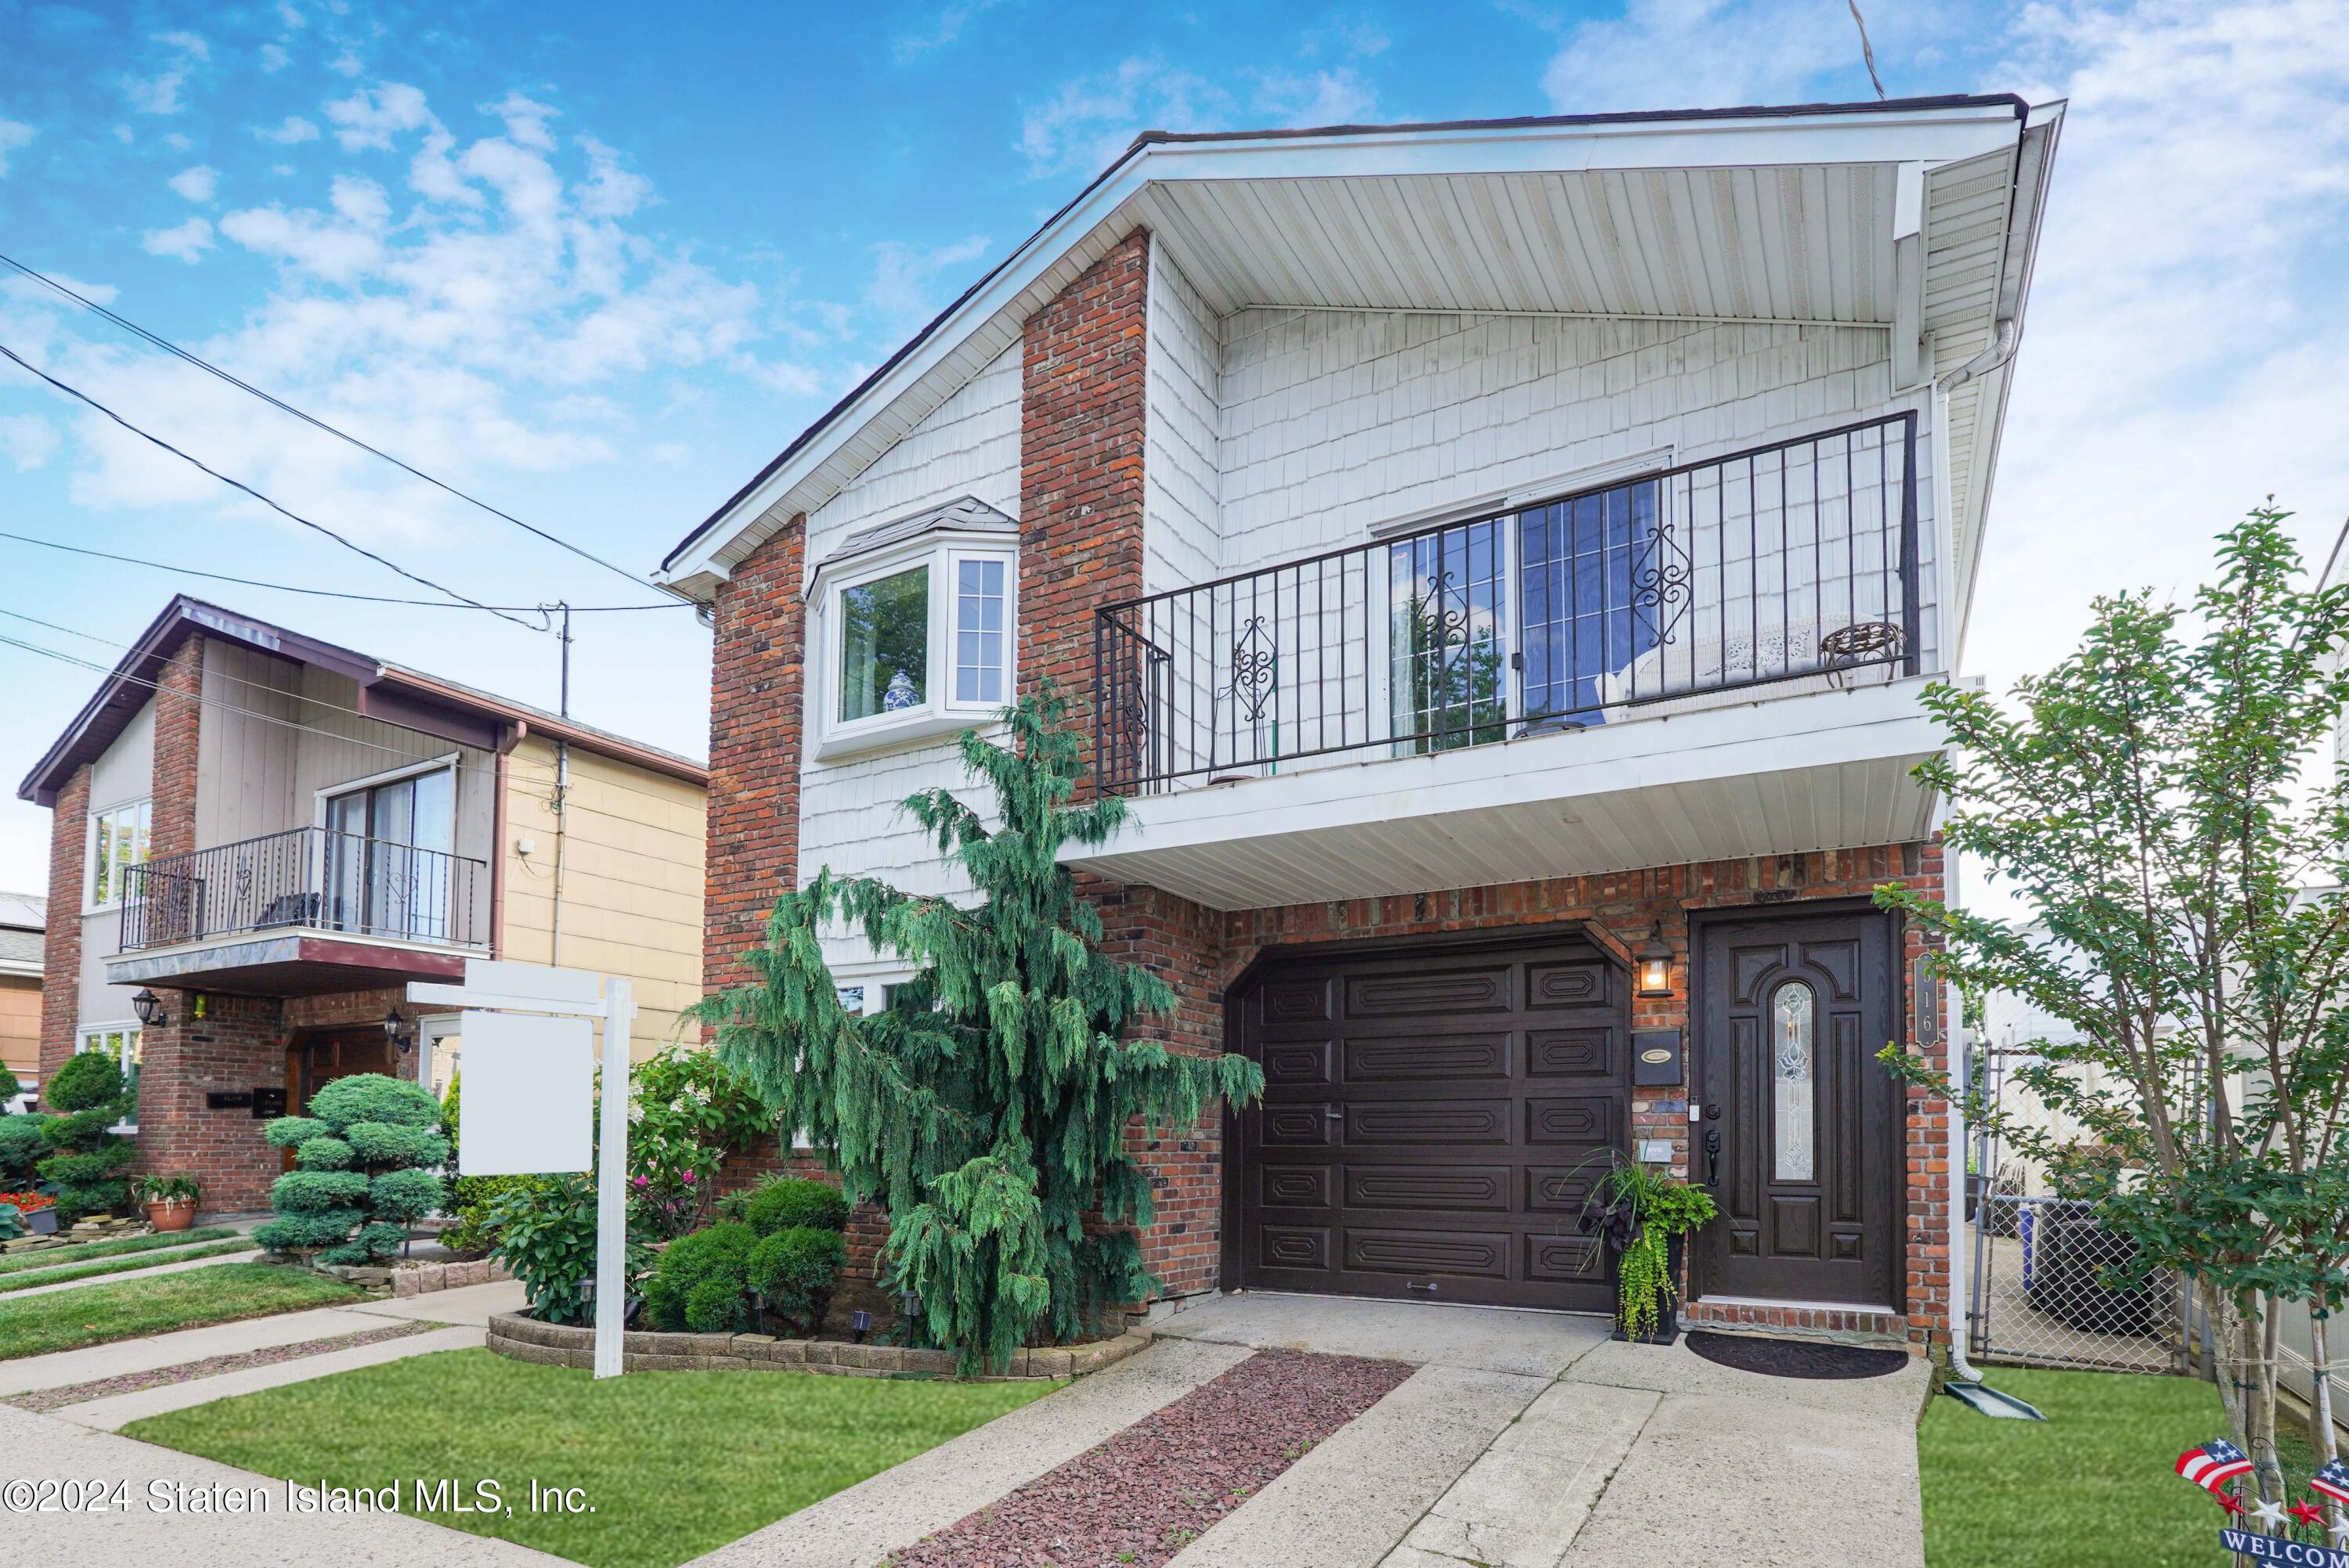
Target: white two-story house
[(1501, 560)]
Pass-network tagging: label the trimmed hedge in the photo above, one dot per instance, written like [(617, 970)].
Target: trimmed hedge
[(794, 1271), (795, 1203), (718, 1256)]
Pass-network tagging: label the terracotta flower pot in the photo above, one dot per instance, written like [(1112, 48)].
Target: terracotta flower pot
[(172, 1216)]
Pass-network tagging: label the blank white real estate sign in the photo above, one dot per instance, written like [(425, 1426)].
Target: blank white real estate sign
[(528, 1100)]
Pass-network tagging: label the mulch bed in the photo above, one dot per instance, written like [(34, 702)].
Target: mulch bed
[(45, 1399), (1158, 1486), (1794, 1357)]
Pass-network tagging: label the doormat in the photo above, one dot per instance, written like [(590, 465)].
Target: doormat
[(1794, 1357)]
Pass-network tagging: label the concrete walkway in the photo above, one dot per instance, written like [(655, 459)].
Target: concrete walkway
[(164, 1267)]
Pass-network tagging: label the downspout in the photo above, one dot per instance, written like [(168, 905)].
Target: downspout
[(2001, 349), (510, 737), (562, 824)]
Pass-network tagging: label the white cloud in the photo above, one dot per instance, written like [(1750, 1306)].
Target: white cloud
[(492, 318), (1708, 53), (944, 29), (525, 121), (1089, 121), (293, 129), (196, 184), (371, 118), (185, 242), (14, 134), (2184, 353), (28, 441), (160, 94), (289, 15), (346, 64), (902, 289), (274, 57)]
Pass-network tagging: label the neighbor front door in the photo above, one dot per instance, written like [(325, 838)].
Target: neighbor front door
[(1800, 1133)]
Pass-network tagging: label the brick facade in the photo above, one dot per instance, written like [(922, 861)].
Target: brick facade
[(1084, 417), (61, 943), (178, 723), (1081, 496), (757, 676)]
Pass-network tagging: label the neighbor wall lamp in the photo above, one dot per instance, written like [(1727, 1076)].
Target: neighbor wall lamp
[(150, 1008), (395, 1030), (1652, 965)]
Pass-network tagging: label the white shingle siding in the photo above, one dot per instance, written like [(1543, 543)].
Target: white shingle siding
[(1184, 535), (1336, 423), (849, 818), (969, 445)]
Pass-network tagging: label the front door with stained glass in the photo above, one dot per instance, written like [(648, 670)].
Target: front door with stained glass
[(1800, 1134)]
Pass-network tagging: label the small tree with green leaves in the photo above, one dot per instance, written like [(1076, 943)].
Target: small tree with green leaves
[(2146, 796), (364, 1160), (986, 1110), (87, 1159)]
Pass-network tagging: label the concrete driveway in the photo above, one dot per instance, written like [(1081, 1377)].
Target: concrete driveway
[(1532, 1440)]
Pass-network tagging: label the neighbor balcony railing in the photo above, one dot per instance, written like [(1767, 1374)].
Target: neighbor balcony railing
[(1791, 563), (310, 878)]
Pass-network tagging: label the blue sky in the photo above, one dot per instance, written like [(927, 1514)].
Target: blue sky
[(598, 272)]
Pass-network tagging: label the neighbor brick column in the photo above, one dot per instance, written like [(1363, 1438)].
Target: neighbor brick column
[(238, 1044), (1083, 413), (61, 944), (758, 676), (179, 723)]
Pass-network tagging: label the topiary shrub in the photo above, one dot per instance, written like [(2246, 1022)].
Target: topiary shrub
[(719, 1256), (9, 1085), (792, 1202), (20, 1150), (360, 1177), (87, 1157), (794, 1270)]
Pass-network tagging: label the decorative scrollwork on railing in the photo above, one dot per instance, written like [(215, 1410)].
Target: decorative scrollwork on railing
[(1660, 587), (1255, 670)]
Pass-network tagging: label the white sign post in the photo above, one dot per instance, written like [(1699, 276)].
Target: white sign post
[(532, 1020)]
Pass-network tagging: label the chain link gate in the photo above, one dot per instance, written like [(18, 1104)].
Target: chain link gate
[(2035, 1293)]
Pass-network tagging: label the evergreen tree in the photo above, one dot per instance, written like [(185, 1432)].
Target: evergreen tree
[(986, 1109)]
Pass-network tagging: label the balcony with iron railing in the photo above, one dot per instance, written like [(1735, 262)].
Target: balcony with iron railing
[(1789, 562), (1788, 571), (300, 907)]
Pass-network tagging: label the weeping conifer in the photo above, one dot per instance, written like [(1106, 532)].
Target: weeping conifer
[(985, 1111)]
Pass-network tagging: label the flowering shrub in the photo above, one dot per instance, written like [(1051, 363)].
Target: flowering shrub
[(693, 1113), (27, 1202)]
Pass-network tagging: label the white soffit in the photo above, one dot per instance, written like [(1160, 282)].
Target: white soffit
[(1827, 770), (1769, 218)]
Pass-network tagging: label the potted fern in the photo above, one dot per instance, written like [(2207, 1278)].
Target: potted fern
[(171, 1201), (1644, 1216)]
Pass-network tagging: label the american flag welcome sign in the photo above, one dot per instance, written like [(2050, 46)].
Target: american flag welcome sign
[(2213, 1465)]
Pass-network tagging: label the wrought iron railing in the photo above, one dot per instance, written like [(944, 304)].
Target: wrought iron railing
[(1791, 562), (310, 878)]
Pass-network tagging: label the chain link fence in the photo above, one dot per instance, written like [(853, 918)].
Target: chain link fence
[(2038, 1296)]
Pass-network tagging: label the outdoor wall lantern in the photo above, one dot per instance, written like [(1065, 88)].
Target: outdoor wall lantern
[(150, 1008), (395, 1030), (1653, 964)]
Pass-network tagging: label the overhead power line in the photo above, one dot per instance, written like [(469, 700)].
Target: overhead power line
[(168, 347), (82, 396), (321, 592)]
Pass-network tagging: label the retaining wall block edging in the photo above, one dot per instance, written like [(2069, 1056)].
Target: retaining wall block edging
[(522, 1339)]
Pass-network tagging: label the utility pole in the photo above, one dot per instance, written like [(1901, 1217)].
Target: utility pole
[(562, 703)]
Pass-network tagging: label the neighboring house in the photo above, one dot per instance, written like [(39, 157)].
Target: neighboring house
[(21, 920), (1500, 560), (262, 838)]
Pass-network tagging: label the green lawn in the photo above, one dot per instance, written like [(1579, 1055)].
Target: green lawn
[(82, 1252), (126, 1309), (71, 1272), (2092, 1487), (674, 1463)]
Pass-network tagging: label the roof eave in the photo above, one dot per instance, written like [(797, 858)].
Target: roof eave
[(697, 564)]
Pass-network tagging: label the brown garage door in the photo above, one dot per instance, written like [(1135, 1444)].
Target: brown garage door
[(1432, 1118)]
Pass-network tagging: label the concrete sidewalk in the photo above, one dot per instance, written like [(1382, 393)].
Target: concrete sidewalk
[(166, 1526)]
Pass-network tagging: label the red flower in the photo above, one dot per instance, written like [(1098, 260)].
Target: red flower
[(27, 1201)]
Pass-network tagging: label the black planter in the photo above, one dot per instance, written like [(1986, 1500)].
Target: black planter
[(1667, 1324)]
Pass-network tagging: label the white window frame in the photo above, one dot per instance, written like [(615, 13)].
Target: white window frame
[(393, 776), (131, 1028), (940, 713), (429, 1032), (94, 899)]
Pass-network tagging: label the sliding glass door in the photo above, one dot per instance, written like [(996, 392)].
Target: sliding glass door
[(387, 857)]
